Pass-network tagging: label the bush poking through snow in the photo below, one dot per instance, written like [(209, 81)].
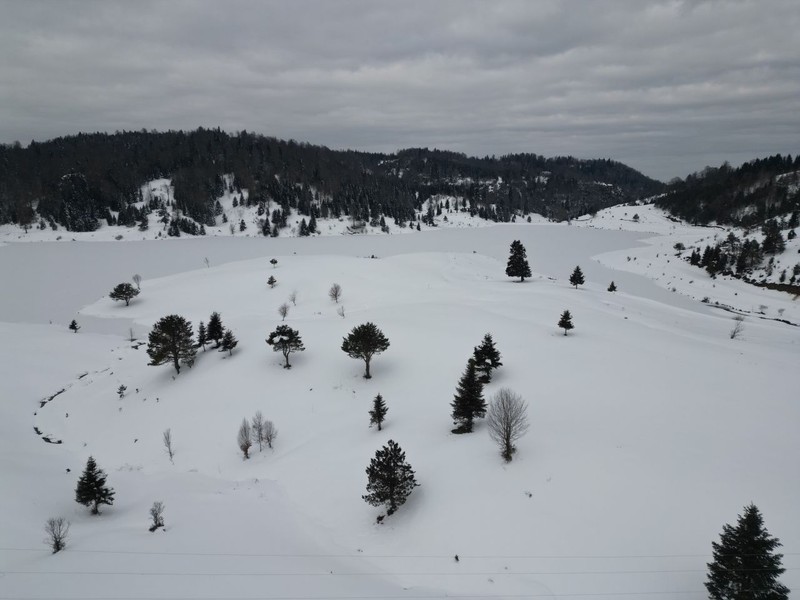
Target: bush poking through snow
[(612, 287), (167, 439), (390, 479), (156, 515), (56, 529), (507, 421), (285, 340), (244, 438), (340, 311), (738, 328)]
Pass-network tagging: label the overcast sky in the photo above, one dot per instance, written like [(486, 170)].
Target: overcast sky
[(666, 87)]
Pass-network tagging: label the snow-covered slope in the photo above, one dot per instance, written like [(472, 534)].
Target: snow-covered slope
[(650, 429)]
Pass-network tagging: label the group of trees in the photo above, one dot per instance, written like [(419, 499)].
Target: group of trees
[(172, 340), (737, 257), (260, 431)]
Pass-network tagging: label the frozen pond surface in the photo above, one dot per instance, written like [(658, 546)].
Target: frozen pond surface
[(52, 281)]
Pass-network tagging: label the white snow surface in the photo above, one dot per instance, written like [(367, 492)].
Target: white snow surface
[(650, 427)]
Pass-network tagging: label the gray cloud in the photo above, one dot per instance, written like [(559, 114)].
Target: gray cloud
[(666, 87)]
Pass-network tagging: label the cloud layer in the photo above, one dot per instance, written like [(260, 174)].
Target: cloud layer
[(666, 87)]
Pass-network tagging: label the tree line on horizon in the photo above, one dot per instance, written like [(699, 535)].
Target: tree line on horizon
[(76, 182)]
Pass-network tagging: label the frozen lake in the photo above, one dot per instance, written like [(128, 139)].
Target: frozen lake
[(53, 280)]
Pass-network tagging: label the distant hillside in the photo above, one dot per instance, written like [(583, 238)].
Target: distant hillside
[(77, 181), (746, 196)]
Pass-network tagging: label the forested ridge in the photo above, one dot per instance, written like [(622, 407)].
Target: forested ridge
[(748, 195), (78, 181)]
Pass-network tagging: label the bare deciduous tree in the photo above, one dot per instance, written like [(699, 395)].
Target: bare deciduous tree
[(157, 515), (137, 279), (258, 429), (131, 337), (335, 292), (507, 420), (340, 312), (270, 433), (56, 529), (283, 310), (293, 298), (738, 327), (244, 438), (168, 444)]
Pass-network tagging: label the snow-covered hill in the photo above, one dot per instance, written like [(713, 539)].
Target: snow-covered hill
[(650, 429)]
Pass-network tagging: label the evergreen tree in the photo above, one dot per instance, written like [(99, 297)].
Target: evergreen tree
[(229, 342), (242, 225), (576, 278), (612, 287), (303, 228), (74, 326), (487, 358), (390, 479), (271, 281), (378, 412), (92, 489), (171, 341), (202, 335), (745, 565), (286, 340), (312, 223), (468, 402), (363, 342), (565, 322), (215, 329), (517, 262), (124, 291)]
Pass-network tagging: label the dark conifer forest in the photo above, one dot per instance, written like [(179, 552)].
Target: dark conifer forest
[(78, 181)]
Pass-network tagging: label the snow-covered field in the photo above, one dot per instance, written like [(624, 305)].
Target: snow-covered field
[(650, 427)]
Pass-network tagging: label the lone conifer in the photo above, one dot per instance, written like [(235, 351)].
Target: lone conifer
[(390, 479), (612, 287), (487, 358), (378, 412), (745, 565), (171, 341), (565, 322), (363, 342), (124, 291), (92, 489), (517, 262), (576, 278), (286, 340), (468, 402)]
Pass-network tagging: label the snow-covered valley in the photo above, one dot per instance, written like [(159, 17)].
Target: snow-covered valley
[(650, 426)]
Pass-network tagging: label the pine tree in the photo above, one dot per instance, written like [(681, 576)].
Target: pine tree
[(215, 329), (229, 342), (171, 340), (468, 402), (612, 287), (378, 412), (487, 358), (517, 262), (576, 278), (272, 281), (745, 565), (124, 291), (202, 335), (312, 223), (363, 342), (565, 322), (390, 479), (92, 489), (286, 340), (74, 326)]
